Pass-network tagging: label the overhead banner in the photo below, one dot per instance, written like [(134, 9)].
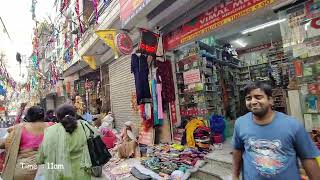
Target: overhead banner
[(108, 37), (217, 16), (130, 8), (91, 61)]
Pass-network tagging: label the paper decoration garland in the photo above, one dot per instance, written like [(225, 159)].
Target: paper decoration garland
[(95, 6)]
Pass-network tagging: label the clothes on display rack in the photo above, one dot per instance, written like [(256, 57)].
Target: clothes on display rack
[(165, 72), (160, 107), (140, 69), (156, 119)]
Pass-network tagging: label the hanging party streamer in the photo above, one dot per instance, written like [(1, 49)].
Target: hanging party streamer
[(78, 16), (33, 9), (2, 91), (95, 6)]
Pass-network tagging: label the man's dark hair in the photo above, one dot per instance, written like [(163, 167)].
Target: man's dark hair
[(49, 111), (266, 88)]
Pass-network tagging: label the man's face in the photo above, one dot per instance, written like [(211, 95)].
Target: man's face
[(258, 102)]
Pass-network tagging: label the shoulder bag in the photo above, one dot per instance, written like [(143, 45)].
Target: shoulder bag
[(98, 151)]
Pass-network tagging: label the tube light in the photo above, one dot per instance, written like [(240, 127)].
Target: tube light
[(262, 26), (240, 43)]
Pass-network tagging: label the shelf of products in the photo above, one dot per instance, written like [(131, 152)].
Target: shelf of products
[(269, 65), (279, 98), (206, 82)]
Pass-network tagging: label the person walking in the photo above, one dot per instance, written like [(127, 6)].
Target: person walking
[(64, 151), (22, 146), (267, 143), (50, 117)]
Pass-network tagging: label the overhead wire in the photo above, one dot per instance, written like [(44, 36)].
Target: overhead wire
[(5, 29)]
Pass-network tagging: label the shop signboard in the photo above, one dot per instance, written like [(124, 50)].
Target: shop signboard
[(130, 8), (192, 76), (260, 47), (149, 42), (312, 8), (2, 108), (215, 17), (124, 43)]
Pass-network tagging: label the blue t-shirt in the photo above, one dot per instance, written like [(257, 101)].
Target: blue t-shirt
[(270, 151)]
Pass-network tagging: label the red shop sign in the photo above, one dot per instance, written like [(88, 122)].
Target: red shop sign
[(124, 43), (149, 42), (2, 108), (215, 17)]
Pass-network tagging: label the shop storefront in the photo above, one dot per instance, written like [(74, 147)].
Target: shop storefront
[(207, 66), (232, 43), (88, 88)]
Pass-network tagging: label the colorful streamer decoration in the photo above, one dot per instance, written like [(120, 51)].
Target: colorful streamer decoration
[(2, 91), (33, 9), (95, 6), (78, 16)]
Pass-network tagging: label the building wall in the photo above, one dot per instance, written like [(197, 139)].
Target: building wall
[(50, 102)]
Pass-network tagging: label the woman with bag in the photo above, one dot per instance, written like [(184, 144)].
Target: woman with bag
[(22, 146), (64, 151)]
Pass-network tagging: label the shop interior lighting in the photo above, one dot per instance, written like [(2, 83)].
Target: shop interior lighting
[(263, 26), (240, 43)]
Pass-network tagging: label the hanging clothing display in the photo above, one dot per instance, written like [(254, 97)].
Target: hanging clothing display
[(159, 96), (165, 71), (140, 69), (156, 119)]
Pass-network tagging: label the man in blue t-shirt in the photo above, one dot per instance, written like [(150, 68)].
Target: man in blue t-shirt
[(267, 143)]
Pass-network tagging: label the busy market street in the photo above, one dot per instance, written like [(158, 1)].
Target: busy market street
[(160, 89)]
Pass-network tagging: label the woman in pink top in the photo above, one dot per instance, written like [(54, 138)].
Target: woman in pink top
[(22, 146)]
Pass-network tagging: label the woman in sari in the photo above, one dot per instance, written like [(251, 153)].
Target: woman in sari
[(64, 151), (22, 146), (128, 147)]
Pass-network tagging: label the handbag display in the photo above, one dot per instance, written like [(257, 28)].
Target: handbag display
[(98, 151)]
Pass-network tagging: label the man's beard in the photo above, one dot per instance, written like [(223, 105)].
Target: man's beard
[(261, 113)]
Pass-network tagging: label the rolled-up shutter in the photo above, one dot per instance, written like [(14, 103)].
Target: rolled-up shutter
[(121, 86)]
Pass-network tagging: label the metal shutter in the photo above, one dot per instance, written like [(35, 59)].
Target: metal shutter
[(121, 86)]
